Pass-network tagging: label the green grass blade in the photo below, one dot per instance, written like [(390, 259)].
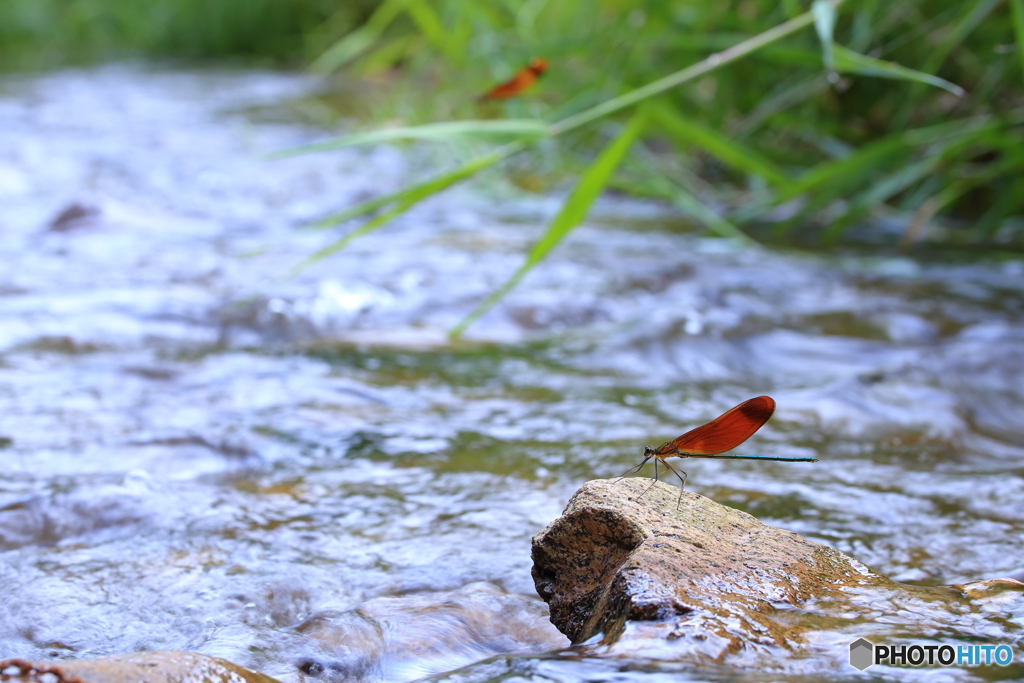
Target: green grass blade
[(845, 60), (573, 212), (843, 172), (862, 29), (363, 230), (833, 179), (431, 26), (825, 24), (791, 8), (963, 28), (526, 18), (693, 207), (447, 130), (1018, 30), (361, 209), (960, 128), (1005, 202), (730, 152), (409, 197), (979, 10), (908, 174), (918, 224), (426, 186), (881, 190), (848, 61), (656, 183), (802, 91), (713, 62), (355, 43), (386, 53)]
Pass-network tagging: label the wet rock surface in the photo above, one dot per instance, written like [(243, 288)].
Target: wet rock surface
[(139, 667), (715, 580)]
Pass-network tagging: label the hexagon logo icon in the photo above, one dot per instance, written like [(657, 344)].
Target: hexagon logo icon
[(862, 654)]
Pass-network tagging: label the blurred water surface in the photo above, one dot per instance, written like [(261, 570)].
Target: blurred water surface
[(306, 477)]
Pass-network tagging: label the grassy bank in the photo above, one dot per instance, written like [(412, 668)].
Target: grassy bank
[(762, 122), (779, 121), (41, 34), (752, 117)]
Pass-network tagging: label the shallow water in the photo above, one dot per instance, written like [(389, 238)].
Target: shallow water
[(305, 477)]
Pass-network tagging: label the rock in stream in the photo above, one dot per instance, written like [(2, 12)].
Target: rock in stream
[(139, 667), (710, 581)]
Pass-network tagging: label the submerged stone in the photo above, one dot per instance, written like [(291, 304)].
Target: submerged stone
[(388, 638), (150, 667)]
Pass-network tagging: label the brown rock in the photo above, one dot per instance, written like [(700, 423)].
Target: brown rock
[(138, 667), (705, 571)]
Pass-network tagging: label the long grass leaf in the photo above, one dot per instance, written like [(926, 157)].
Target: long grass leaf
[(694, 208), (713, 62), (363, 230), (387, 53), (656, 183), (431, 26), (361, 209), (573, 212), (963, 28), (1008, 199), (830, 178), (408, 198), (791, 96), (938, 54), (947, 148), (791, 7), (351, 45), (881, 190), (825, 24), (833, 180), (862, 29), (918, 224), (842, 172), (447, 130), (848, 61), (730, 152), (1018, 30)]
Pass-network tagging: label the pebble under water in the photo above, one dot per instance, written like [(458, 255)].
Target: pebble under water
[(305, 477)]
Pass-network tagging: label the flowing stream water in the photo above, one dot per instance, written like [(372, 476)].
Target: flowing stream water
[(306, 477)]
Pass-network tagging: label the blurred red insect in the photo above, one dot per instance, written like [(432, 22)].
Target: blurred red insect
[(725, 432), (523, 79)]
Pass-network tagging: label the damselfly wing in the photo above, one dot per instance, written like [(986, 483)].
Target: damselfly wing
[(712, 440), (724, 433)]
